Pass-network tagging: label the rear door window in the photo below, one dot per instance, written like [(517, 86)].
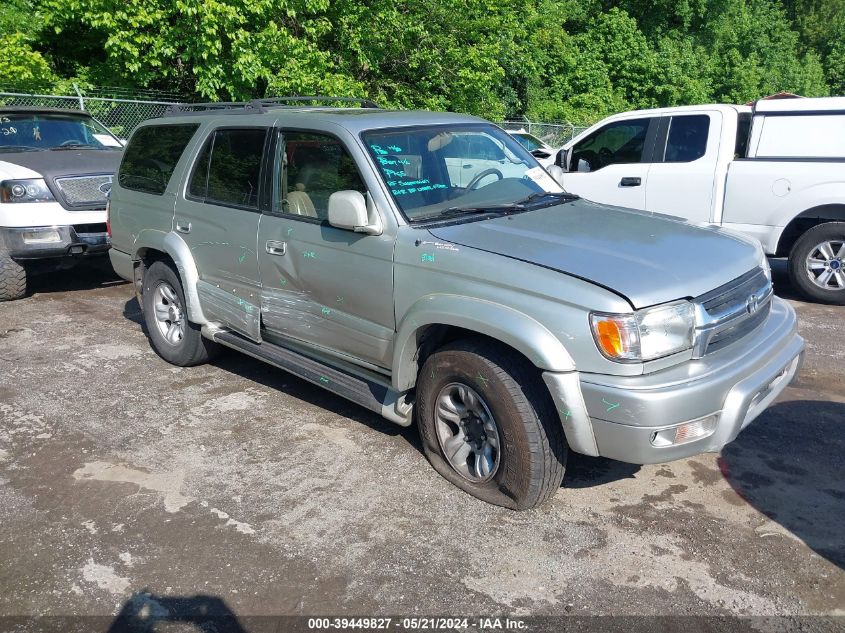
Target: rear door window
[(687, 138), (151, 157), (228, 169)]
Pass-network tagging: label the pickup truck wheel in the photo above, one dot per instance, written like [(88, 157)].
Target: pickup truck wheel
[(12, 279), (172, 335), (489, 426), (817, 263)]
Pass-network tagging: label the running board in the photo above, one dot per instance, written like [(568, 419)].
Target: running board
[(370, 394)]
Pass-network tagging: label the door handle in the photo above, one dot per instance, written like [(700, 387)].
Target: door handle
[(468, 166), (275, 248), (183, 228), (631, 181)]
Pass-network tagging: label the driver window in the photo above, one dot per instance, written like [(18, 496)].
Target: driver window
[(617, 143), (310, 168)]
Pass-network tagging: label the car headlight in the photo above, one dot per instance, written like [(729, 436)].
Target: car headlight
[(32, 190), (764, 264), (646, 334)]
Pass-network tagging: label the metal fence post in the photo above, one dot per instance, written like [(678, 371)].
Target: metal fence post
[(79, 94)]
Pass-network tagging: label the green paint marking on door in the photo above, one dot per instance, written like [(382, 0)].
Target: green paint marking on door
[(324, 380), (309, 255), (610, 405), (426, 257), (326, 310)]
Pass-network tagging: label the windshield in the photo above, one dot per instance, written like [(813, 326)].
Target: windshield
[(437, 169), (528, 141), (27, 132)]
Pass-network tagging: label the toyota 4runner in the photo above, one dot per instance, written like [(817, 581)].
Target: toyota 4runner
[(56, 170), (426, 267)]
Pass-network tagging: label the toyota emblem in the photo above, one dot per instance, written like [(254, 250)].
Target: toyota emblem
[(752, 304)]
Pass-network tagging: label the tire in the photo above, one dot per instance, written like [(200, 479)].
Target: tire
[(817, 263), (12, 279), (527, 467), (171, 334)]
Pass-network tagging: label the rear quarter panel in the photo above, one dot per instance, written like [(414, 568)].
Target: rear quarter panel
[(762, 196)]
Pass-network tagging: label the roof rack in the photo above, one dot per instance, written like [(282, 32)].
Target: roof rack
[(364, 103), (256, 106), (232, 107)]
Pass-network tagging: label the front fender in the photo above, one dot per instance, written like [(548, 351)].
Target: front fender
[(180, 253), (511, 327)]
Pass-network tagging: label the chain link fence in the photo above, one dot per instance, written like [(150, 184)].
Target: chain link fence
[(553, 134), (121, 116)]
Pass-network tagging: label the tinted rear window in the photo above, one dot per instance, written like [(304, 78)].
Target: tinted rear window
[(232, 174), (151, 157), (687, 138)]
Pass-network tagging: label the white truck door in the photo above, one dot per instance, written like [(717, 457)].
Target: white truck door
[(680, 182), (611, 165)]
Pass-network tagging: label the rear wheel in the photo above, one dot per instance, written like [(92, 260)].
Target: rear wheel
[(489, 426), (817, 263), (12, 279), (172, 335)]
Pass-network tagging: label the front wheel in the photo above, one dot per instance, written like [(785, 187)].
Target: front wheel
[(12, 279), (817, 263), (489, 426), (172, 335)]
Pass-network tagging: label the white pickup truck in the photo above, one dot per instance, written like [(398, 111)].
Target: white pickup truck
[(775, 171)]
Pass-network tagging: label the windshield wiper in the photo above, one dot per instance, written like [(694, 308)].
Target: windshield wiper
[(21, 148), (72, 146), (555, 197), (492, 208)]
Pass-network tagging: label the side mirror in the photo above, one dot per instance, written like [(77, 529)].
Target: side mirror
[(564, 159), (348, 210)]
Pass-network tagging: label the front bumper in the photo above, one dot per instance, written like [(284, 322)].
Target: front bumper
[(619, 417), (70, 243)]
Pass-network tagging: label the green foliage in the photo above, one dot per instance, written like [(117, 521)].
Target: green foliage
[(575, 60)]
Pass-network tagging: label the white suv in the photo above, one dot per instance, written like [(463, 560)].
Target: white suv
[(56, 169)]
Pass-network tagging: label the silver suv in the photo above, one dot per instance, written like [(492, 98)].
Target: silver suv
[(426, 267)]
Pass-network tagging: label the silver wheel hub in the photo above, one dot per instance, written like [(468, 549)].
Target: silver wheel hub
[(467, 433), (825, 265), (169, 317)]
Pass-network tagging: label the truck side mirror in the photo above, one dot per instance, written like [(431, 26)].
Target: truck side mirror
[(564, 159), (348, 211)]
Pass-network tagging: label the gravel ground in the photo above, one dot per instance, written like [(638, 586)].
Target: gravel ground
[(124, 479)]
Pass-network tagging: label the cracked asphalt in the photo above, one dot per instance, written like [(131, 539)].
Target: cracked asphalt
[(122, 476)]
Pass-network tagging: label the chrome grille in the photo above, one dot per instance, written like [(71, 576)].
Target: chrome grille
[(730, 312), (84, 191)]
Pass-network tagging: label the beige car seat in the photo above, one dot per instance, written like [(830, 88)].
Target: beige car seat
[(299, 202)]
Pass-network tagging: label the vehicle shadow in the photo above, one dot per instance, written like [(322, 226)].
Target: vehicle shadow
[(247, 367), (781, 282), (583, 471), (86, 275), (788, 465), (145, 612)]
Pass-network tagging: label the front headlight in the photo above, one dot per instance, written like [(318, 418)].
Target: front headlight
[(646, 334), (764, 264), (32, 190)]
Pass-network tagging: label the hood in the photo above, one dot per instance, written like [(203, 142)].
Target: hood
[(50, 165), (70, 162), (647, 258)]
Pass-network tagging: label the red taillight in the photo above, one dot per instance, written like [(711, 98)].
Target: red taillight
[(108, 218)]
